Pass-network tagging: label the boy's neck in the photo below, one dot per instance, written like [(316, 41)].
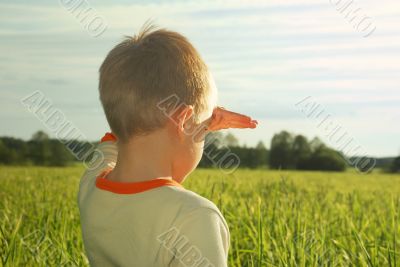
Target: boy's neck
[(143, 158)]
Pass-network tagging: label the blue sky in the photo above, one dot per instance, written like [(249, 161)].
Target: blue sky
[(264, 56)]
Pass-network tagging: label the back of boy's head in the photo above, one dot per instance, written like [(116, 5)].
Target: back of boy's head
[(145, 69)]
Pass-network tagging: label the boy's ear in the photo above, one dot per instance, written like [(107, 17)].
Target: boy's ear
[(183, 117)]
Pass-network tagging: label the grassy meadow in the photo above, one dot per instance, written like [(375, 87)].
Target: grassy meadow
[(276, 218)]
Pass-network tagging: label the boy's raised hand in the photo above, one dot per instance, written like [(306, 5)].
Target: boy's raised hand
[(225, 119)]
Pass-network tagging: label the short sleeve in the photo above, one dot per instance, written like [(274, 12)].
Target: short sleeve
[(201, 238), (104, 157)]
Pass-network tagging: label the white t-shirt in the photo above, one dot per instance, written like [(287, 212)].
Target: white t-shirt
[(150, 223)]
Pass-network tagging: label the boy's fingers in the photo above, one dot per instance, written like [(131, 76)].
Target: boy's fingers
[(225, 119), (233, 124), (237, 124)]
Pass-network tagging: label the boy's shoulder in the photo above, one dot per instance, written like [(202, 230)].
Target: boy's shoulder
[(189, 200), (191, 204)]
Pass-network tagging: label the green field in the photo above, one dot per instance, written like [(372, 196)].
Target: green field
[(276, 218)]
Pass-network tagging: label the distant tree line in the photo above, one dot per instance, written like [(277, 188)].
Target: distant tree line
[(219, 147), (296, 152), (287, 151), (40, 150)]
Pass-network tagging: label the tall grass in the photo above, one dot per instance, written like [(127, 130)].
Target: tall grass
[(275, 218)]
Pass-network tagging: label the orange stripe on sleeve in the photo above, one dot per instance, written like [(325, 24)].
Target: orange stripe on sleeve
[(108, 137)]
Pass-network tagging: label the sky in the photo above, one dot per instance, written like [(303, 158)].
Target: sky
[(267, 58)]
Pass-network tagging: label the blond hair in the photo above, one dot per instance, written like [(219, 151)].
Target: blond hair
[(143, 70)]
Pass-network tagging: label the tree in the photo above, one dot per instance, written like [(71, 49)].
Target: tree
[(301, 151), (315, 144), (395, 166), (260, 145), (14, 151), (40, 136), (230, 140), (258, 157), (261, 155), (251, 157), (325, 159), (40, 152), (280, 155), (60, 156), (4, 153)]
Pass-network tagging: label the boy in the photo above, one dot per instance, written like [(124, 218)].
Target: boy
[(134, 210)]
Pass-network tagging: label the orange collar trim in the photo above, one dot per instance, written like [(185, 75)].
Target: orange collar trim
[(131, 188)]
